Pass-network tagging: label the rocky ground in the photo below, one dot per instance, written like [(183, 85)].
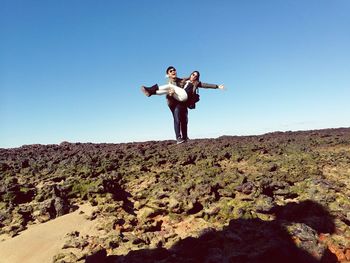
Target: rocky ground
[(279, 197)]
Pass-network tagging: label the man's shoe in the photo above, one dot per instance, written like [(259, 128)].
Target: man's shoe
[(180, 140)]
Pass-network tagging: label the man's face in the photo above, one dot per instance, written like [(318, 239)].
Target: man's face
[(172, 73)]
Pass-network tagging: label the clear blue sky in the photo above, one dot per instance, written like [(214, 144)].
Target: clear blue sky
[(72, 70)]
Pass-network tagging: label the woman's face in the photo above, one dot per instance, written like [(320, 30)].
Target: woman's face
[(194, 76)]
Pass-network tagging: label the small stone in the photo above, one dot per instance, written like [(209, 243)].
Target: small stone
[(173, 203), (137, 205), (145, 212), (212, 210)]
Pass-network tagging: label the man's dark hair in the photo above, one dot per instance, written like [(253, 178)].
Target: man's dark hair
[(169, 68)]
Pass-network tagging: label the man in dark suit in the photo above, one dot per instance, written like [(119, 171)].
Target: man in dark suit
[(178, 108)]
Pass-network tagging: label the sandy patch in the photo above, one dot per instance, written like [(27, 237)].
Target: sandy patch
[(39, 243)]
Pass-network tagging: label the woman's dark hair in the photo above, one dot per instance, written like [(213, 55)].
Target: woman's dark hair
[(196, 82), (198, 74)]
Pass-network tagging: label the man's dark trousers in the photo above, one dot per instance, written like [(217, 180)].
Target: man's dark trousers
[(180, 113)]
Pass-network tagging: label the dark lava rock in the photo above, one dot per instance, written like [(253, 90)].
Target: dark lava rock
[(258, 192)]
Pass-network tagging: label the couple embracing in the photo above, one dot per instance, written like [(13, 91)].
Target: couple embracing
[(181, 94)]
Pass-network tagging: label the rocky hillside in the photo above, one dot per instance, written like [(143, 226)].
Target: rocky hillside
[(279, 197)]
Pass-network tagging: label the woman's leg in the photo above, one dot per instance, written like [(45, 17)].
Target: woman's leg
[(179, 93), (163, 90)]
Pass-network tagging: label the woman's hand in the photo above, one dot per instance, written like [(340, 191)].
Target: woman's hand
[(171, 92)]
